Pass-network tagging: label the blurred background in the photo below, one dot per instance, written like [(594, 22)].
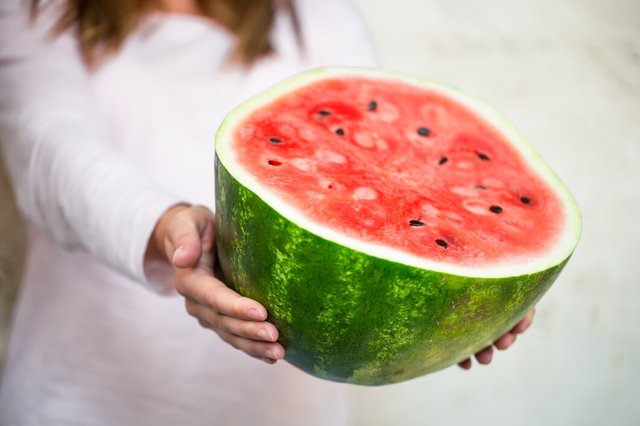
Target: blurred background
[(567, 72)]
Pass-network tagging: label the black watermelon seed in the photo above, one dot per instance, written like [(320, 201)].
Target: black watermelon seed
[(275, 141), (442, 243), (340, 132), (414, 222), (274, 163), (323, 113), (496, 209), (525, 200), (372, 106), (443, 160), (423, 131), (483, 156), (482, 187)]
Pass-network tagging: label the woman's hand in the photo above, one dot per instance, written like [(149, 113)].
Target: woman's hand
[(185, 237), (485, 355)]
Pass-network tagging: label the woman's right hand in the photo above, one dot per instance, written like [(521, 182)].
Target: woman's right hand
[(185, 237)]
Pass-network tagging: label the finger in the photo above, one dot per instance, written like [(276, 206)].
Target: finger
[(466, 364), (260, 350), (255, 330), (212, 293), (205, 223), (484, 356), (185, 246), (505, 341), (524, 323), (190, 234), (227, 302)]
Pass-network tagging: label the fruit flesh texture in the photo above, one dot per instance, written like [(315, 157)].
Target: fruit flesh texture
[(456, 193)]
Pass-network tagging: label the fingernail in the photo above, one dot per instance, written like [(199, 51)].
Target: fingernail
[(254, 314), (262, 333), (272, 354), (177, 253)]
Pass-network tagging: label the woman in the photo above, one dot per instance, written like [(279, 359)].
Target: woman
[(106, 129)]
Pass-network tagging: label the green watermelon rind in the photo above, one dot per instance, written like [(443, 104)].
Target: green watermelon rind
[(354, 313), (572, 225), (350, 317)]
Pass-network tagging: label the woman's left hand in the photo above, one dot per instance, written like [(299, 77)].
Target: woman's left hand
[(485, 355)]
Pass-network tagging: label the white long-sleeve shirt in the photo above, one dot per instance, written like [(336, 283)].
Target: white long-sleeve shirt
[(95, 158)]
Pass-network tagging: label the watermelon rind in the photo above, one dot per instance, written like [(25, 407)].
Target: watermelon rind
[(353, 311)]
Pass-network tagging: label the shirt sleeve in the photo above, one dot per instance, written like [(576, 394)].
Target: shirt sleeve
[(67, 179), (335, 34)]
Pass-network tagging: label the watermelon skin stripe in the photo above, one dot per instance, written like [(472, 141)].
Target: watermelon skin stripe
[(352, 317)]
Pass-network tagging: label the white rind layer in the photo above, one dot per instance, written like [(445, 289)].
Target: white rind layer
[(559, 252)]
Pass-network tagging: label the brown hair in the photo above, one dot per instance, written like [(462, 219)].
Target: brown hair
[(103, 26)]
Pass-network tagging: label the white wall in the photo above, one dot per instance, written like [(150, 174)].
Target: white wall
[(567, 72)]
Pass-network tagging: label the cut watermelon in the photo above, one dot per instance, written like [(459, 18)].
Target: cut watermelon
[(390, 226)]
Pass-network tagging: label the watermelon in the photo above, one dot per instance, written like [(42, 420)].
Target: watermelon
[(391, 226)]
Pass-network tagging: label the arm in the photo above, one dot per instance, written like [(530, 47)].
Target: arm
[(68, 181)]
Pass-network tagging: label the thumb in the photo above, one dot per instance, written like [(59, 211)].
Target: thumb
[(185, 241), (188, 250), (188, 235)]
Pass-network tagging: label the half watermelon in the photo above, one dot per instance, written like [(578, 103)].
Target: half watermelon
[(391, 226)]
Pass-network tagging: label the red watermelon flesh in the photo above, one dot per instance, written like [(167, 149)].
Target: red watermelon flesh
[(404, 167)]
